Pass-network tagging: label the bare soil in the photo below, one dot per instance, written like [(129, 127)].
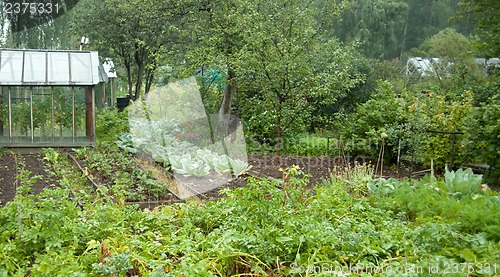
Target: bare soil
[(8, 172)]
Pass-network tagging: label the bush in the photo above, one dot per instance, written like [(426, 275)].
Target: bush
[(110, 124), (401, 121), (386, 113), (483, 135)]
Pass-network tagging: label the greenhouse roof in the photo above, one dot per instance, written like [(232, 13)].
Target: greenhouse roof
[(50, 68)]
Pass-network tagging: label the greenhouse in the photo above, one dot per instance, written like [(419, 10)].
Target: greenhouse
[(48, 98)]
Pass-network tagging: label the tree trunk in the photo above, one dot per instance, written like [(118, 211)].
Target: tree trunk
[(139, 58), (129, 80), (229, 92), (278, 133), (149, 80), (224, 114)]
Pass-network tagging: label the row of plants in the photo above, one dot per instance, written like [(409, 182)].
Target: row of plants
[(164, 141), (270, 228), (120, 173)]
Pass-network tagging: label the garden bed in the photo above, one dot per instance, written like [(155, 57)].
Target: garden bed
[(8, 172), (112, 169)]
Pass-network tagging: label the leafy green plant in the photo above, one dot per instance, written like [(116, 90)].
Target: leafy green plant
[(161, 141), (483, 133), (462, 182), (239, 167), (110, 124), (382, 186)]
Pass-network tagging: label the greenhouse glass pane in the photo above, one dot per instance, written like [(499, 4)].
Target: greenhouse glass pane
[(11, 67), (42, 111), (63, 118), (58, 68), (21, 114), (35, 67), (81, 68), (80, 115)]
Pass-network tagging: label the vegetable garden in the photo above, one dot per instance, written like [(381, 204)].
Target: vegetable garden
[(263, 138), (346, 223)]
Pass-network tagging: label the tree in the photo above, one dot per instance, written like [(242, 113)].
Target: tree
[(291, 59), (388, 28), (378, 25), (427, 17), (216, 41), (44, 30), (484, 15), (135, 33), (456, 55)]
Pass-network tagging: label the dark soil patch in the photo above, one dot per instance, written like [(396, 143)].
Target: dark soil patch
[(318, 169), (7, 179), (33, 163)]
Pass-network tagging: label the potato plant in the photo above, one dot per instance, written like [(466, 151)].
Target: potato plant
[(274, 227)]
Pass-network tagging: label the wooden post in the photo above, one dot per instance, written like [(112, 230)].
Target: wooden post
[(453, 139), (1, 106), (89, 114)]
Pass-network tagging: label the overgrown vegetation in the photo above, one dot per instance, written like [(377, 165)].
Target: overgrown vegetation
[(277, 227)]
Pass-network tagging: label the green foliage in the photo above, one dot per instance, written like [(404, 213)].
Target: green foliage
[(462, 182), (120, 172), (356, 179), (448, 43), (110, 124), (272, 227), (406, 118), (382, 186), (483, 133), (483, 14), (384, 112), (135, 36), (430, 200)]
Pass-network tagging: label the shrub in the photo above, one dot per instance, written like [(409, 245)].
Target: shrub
[(483, 136), (110, 124)]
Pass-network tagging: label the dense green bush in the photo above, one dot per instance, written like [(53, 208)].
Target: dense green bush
[(383, 115), (110, 124), (405, 122), (483, 135)]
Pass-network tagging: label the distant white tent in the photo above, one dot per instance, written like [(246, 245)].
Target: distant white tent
[(417, 66), (425, 66)]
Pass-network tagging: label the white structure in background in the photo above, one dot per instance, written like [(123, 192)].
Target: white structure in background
[(425, 66), (83, 42), (488, 63), (109, 68)]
